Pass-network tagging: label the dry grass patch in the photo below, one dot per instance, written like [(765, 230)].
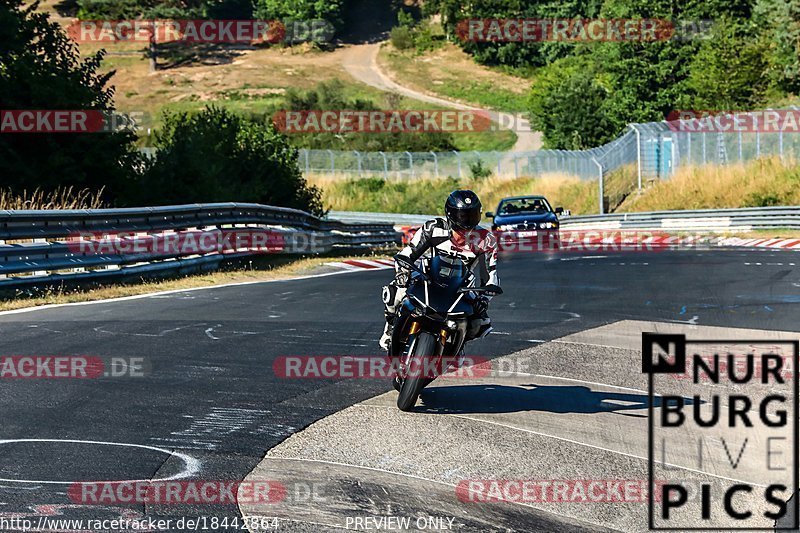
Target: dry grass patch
[(758, 183), (426, 195), (61, 198)]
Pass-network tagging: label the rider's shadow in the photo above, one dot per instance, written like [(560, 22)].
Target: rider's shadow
[(473, 399)]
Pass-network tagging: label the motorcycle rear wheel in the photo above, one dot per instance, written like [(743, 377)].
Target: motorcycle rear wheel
[(425, 346)]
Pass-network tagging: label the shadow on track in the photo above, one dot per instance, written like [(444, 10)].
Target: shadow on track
[(474, 399)]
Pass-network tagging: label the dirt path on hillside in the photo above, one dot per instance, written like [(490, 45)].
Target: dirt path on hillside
[(361, 62)]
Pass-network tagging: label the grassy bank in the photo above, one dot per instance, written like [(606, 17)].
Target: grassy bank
[(760, 183), (426, 195), (448, 72)]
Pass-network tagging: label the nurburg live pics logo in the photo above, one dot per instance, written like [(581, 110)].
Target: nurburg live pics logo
[(721, 417)]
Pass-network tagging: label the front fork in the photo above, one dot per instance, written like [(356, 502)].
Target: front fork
[(444, 350)]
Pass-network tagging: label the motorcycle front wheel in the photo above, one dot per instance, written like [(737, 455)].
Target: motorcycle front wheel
[(415, 381)]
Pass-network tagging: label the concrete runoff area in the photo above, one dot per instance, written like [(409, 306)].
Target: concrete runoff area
[(572, 409)]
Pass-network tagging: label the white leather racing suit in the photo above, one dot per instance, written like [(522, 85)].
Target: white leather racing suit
[(476, 248)]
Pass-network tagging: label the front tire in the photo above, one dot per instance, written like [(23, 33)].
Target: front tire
[(415, 381)]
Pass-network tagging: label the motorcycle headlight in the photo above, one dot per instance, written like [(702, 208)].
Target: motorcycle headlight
[(416, 307)]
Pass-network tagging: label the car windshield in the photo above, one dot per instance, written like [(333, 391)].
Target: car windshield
[(524, 205)]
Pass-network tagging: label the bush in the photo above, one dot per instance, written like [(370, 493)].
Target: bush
[(305, 10), (41, 68), (402, 37), (331, 96), (567, 104), (479, 170), (216, 156), (128, 9), (762, 200)]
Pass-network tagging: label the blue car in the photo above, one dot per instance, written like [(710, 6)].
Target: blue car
[(525, 216)]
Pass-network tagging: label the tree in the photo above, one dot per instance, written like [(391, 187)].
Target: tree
[(217, 156), (781, 22), (177, 9), (568, 105), (305, 10), (40, 68), (733, 53)]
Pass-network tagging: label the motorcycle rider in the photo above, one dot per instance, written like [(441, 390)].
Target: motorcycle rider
[(457, 238)]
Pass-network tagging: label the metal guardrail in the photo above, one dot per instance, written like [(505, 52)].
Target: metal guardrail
[(742, 219), (86, 245)]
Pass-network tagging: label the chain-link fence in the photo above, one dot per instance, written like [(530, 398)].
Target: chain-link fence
[(440, 164), (656, 148)]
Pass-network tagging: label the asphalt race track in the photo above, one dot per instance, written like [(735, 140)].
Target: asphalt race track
[(210, 404)]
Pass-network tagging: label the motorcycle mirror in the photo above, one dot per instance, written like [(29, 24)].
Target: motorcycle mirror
[(405, 261)]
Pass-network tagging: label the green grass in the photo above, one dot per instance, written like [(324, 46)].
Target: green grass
[(484, 94), (448, 73)]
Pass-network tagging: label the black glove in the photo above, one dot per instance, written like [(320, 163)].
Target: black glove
[(494, 288), (481, 305), (402, 278)]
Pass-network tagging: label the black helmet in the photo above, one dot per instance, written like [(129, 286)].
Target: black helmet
[(463, 209)]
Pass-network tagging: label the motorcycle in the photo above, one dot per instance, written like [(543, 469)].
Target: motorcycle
[(430, 329)]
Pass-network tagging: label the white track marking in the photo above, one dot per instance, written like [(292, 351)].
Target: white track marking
[(174, 291), (191, 465)]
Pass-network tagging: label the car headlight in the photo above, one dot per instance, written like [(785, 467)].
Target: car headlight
[(506, 227), (548, 225)]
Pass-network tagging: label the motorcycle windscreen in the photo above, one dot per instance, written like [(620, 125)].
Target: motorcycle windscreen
[(452, 273)]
